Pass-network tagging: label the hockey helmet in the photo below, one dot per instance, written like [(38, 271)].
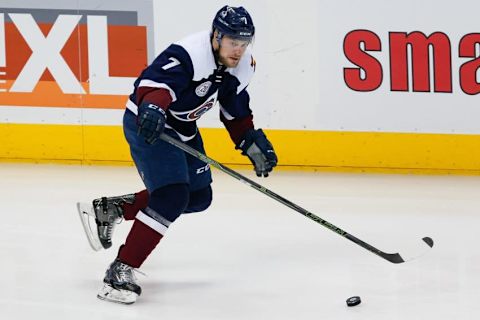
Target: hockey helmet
[(234, 22)]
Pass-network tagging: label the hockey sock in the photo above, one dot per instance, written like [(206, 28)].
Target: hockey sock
[(164, 206), (139, 244), (131, 209)]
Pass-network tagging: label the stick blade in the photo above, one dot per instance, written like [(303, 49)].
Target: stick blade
[(397, 258), (428, 241), (393, 257)]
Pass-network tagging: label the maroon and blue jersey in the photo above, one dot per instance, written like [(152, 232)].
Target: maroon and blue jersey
[(186, 81)]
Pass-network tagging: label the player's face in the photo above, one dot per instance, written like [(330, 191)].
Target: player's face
[(231, 50)]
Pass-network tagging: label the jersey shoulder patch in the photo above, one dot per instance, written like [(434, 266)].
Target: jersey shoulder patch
[(199, 49)]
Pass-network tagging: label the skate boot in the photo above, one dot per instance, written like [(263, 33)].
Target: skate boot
[(119, 284), (100, 218)]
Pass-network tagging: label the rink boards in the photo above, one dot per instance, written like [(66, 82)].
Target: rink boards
[(359, 91), (321, 150)]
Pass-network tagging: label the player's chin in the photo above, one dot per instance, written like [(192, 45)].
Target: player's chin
[(232, 62)]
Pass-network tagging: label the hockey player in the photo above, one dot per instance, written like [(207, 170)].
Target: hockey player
[(183, 82)]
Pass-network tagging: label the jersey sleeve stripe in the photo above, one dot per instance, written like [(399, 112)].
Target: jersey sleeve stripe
[(132, 107), (153, 84)]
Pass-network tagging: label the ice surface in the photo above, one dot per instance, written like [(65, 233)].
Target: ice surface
[(247, 257)]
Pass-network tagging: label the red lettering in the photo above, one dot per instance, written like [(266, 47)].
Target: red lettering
[(420, 61), (355, 54), (468, 70)]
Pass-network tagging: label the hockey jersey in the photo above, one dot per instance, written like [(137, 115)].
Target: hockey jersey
[(194, 83)]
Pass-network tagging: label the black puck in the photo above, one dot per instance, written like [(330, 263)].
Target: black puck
[(353, 301)]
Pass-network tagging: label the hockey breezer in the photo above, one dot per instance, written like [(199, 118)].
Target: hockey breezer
[(392, 257)]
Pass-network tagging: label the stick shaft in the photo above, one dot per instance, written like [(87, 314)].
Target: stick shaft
[(395, 258)]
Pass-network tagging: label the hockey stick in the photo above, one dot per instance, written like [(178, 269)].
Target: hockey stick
[(392, 257)]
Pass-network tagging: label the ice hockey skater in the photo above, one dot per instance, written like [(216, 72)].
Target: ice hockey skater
[(186, 80)]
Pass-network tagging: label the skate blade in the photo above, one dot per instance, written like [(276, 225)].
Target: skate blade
[(85, 211), (109, 293)]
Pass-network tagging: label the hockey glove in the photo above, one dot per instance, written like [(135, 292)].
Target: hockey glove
[(151, 122), (259, 150)]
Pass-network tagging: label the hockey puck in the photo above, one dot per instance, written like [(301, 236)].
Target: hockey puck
[(353, 301)]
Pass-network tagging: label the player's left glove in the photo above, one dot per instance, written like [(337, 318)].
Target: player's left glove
[(259, 150), (151, 122)]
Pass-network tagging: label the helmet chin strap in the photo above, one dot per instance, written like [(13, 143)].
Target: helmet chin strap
[(219, 38), (216, 51)]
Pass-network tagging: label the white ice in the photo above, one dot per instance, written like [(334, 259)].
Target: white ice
[(248, 256)]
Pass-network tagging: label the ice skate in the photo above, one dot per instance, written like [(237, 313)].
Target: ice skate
[(100, 218), (119, 284)]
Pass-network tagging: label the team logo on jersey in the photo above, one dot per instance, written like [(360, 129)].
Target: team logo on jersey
[(202, 89), (192, 115)]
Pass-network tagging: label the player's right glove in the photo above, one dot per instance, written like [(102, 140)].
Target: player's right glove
[(259, 150), (151, 122)]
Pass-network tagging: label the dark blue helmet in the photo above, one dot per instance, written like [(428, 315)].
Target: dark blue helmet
[(234, 22)]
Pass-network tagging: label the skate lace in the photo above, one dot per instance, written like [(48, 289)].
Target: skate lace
[(126, 273), (117, 220), (111, 226), (110, 231)]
